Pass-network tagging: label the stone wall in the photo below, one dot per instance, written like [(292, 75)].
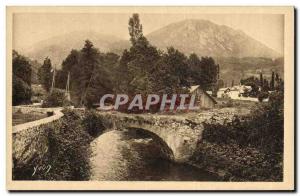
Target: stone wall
[(57, 114), (30, 140)]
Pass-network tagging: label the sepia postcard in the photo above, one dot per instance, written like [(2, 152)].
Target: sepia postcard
[(150, 98)]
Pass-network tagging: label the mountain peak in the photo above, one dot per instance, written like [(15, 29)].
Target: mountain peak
[(199, 36), (206, 38)]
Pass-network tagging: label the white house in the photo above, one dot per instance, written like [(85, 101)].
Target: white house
[(234, 92)]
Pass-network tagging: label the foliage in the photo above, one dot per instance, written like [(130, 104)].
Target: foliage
[(260, 133), (262, 95), (272, 82), (56, 98), (135, 29), (69, 149), (45, 74), (89, 75), (68, 152), (261, 86), (254, 83), (21, 92), (263, 129), (138, 65), (92, 123), (21, 85), (21, 67), (241, 164)]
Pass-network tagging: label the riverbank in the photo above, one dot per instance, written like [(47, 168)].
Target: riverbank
[(234, 163), (249, 148)]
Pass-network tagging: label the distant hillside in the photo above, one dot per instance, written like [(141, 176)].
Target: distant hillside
[(209, 39), (236, 68), (199, 36), (57, 48)]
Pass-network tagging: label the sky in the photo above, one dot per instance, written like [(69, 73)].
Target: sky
[(30, 28)]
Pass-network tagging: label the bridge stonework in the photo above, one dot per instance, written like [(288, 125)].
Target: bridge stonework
[(181, 135)]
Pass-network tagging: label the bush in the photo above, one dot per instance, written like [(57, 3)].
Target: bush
[(262, 95), (68, 152), (263, 129), (21, 91), (248, 148), (92, 123), (69, 149), (56, 99), (233, 163)]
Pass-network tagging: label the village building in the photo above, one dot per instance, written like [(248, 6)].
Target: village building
[(235, 92), (223, 92), (204, 100)]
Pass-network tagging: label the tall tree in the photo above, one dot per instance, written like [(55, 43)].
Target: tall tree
[(86, 71), (139, 63), (261, 79), (272, 82), (89, 76), (135, 29), (68, 65), (177, 64), (209, 74), (45, 74), (21, 67), (21, 84), (195, 69)]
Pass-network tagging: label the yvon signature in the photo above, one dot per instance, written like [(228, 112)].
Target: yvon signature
[(41, 169)]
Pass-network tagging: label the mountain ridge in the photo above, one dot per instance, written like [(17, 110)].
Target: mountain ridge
[(202, 37), (206, 38)]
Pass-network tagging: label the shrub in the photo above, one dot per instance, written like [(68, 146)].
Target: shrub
[(92, 123), (263, 129), (69, 149), (21, 91), (56, 99), (248, 148), (262, 95)]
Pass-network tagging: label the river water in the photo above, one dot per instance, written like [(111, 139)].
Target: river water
[(137, 154)]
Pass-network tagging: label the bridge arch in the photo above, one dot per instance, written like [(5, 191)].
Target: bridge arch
[(177, 133), (142, 133)]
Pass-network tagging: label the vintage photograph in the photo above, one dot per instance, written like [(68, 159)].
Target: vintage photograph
[(154, 97)]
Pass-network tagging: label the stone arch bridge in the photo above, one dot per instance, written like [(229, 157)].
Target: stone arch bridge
[(179, 133)]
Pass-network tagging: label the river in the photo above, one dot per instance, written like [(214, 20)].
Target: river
[(139, 155)]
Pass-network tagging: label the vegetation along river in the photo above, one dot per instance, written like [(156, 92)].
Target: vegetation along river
[(136, 154)]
